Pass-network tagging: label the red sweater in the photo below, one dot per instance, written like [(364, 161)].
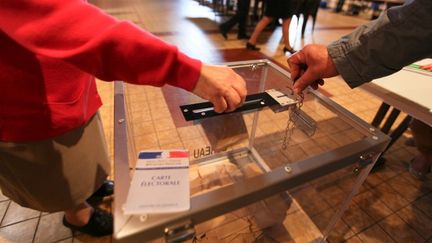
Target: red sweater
[(50, 51)]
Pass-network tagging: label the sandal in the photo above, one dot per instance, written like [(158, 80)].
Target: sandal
[(106, 189), (100, 224)]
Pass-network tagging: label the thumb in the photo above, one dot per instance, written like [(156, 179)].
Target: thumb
[(305, 80)]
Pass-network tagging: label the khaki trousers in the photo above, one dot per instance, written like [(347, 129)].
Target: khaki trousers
[(55, 174)]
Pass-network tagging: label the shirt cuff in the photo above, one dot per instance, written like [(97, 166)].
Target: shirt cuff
[(343, 65)]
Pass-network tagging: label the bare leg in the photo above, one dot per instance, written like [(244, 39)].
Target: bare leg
[(259, 28), (80, 215), (285, 32)]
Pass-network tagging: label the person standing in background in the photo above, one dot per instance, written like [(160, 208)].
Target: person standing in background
[(274, 9), (53, 155), (240, 18), (399, 37)]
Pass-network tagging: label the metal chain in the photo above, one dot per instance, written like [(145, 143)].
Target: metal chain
[(293, 116)]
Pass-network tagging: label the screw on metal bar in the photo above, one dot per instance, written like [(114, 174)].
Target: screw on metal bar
[(288, 169), (365, 160), (120, 121)]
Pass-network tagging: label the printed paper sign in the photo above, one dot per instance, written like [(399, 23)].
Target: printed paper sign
[(160, 183)]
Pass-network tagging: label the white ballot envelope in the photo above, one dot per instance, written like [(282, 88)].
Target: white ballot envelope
[(160, 183)]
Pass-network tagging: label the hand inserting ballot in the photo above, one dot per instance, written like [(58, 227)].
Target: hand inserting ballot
[(221, 86), (309, 66)]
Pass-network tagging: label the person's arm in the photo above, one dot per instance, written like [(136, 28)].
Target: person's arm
[(397, 38), (81, 34)]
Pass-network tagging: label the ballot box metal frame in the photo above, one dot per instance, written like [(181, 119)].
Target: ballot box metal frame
[(177, 226)]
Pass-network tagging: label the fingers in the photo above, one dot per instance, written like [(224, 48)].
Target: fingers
[(240, 88), (233, 100), (294, 64), (227, 102), (303, 81), (219, 103), (232, 97)]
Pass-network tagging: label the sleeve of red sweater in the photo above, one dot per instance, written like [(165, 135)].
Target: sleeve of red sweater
[(81, 34)]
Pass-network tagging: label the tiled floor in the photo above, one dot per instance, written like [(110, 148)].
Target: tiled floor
[(392, 206)]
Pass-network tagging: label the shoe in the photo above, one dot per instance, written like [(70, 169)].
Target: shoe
[(290, 50), (100, 224), (223, 32), (252, 47), (422, 167), (107, 189), (243, 37)]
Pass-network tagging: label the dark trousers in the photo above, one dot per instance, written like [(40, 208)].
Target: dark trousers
[(240, 17), (422, 136)]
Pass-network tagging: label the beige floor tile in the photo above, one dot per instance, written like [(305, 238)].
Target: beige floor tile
[(385, 173), (147, 141), (353, 239), (142, 128), (415, 218), (347, 182), (390, 197), (16, 213), (189, 132), (424, 186), (301, 228), (3, 207), (51, 229), (375, 234), (340, 232), (276, 232), (398, 229), (373, 180), (372, 205), (177, 145), (21, 232), (310, 201), (141, 116), (404, 188), (164, 124), (425, 204), (168, 137), (357, 219), (332, 194), (160, 113)]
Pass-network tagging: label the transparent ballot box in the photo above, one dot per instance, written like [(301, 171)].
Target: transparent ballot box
[(281, 168)]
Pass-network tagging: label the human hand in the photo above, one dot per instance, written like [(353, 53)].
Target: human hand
[(309, 66), (221, 86)]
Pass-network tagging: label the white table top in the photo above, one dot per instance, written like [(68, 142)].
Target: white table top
[(409, 90)]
